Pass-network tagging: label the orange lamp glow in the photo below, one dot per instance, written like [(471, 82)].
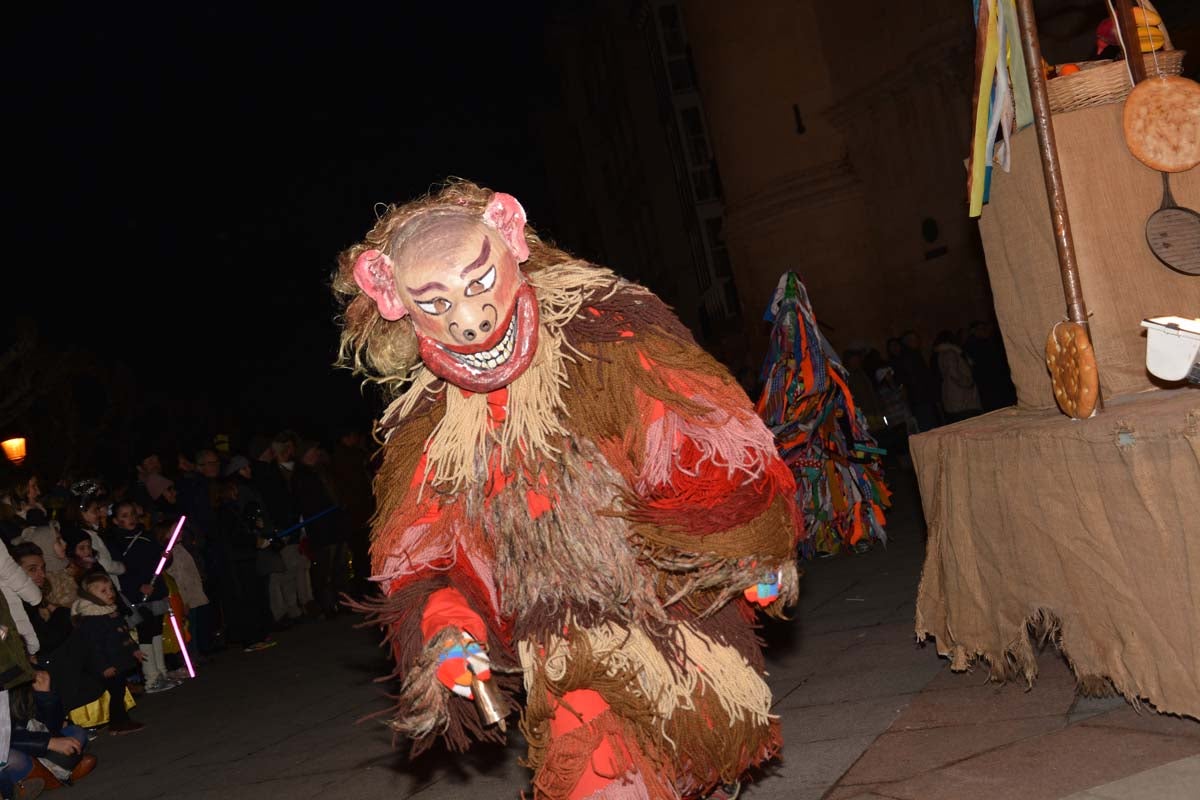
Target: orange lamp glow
[(14, 449)]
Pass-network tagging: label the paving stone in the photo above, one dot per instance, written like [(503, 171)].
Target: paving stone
[(1044, 767), (899, 755), (1178, 780)]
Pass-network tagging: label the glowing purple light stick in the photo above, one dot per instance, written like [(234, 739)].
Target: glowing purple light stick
[(167, 553), (162, 562), (187, 660)]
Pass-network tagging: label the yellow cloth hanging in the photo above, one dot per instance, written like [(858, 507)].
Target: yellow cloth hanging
[(180, 611), (96, 712)]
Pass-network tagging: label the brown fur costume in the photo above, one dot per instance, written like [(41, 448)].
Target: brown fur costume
[(603, 514)]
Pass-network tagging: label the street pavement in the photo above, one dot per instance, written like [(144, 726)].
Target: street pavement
[(867, 713)]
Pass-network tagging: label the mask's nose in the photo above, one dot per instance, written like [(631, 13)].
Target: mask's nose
[(481, 330)]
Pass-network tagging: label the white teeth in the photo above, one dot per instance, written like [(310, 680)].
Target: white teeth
[(490, 359)]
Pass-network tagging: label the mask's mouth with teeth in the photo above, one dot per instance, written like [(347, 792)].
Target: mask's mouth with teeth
[(489, 366), (493, 356)]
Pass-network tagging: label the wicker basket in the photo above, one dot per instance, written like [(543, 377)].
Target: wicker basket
[(1100, 82)]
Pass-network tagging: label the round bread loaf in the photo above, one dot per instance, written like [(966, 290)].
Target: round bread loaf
[(1162, 123), (1072, 363)]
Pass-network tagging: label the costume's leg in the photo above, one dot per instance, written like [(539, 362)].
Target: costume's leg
[(602, 767), (613, 764)]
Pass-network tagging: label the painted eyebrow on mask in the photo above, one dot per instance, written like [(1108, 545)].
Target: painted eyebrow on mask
[(426, 287), (479, 261), (484, 252)]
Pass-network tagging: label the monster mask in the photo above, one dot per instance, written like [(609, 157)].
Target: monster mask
[(455, 274)]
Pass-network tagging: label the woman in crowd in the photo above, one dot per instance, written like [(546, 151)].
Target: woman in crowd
[(59, 589), (51, 621)]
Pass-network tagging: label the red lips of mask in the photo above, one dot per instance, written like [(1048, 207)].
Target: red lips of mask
[(466, 367)]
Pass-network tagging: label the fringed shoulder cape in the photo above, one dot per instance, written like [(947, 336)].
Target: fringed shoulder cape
[(596, 522)]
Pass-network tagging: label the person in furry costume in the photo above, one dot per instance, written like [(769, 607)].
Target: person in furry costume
[(575, 502)]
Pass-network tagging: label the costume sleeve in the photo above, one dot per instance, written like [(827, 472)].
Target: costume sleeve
[(447, 608), (434, 582), (710, 503)]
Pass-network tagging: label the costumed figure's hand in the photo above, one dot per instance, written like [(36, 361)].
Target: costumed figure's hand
[(765, 592), (460, 663)]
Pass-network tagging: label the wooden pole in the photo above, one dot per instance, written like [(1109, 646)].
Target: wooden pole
[(1051, 170), (1129, 40)]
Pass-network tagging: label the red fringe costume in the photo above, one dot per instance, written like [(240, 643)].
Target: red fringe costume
[(595, 522)]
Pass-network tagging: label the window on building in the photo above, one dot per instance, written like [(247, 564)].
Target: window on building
[(679, 71), (704, 188), (674, 42), (703, 276), (714, 229), (733, 306), (696, 139)]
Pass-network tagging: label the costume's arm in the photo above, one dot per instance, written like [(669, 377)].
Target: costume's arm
[(435, 589), (710, 503)]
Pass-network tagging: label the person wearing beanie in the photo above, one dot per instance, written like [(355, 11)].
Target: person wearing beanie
[(260, 449), (238, 465), (166, 499), (157, 486), (79, 552)]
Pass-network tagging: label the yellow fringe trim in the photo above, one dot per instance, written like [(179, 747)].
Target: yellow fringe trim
[(460, 444), (668, 687)]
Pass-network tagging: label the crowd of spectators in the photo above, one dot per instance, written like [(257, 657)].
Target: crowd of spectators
[(269, 537), (911, 389)]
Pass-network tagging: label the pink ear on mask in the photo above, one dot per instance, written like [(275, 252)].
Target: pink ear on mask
[(507, 217), (374, 275)]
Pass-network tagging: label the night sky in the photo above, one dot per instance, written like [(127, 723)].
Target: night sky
[(185, 178)]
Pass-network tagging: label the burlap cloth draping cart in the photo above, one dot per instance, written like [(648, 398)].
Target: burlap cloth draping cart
[(1086, 531)]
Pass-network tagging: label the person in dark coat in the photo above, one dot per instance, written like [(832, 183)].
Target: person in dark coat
[(350, 470), (243, 527), (990, 364), (314, 491), (110, 651), (924, 388), (141, 552)]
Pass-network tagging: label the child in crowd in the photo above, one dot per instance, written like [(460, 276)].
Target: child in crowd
[(147, 596), (112, 652), (187, 578), (88, 516), (80, 556)]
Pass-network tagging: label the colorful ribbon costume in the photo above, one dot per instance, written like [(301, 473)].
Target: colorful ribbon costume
[(822, 436)]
